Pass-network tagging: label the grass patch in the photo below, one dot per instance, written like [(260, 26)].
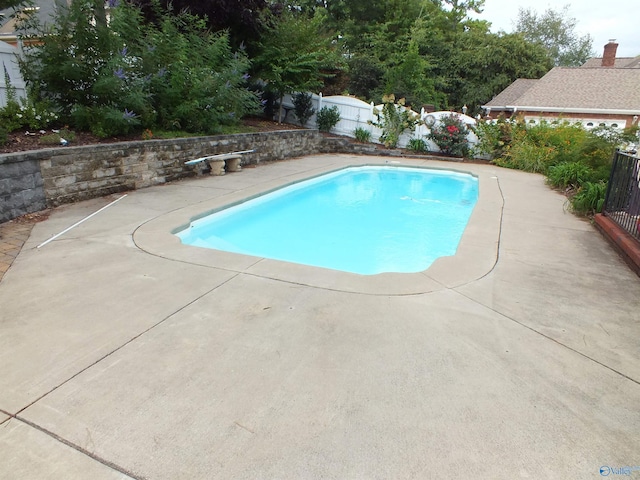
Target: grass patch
[(55, 138)]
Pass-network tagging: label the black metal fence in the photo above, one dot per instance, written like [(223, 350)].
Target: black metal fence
[(622, 201)]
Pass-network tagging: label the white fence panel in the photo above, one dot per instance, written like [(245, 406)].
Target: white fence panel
[(9, 61), (355, 113)]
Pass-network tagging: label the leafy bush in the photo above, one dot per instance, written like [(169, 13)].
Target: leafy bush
[(11, 116), (132, 74), (597, 152), (417, 145), (4, 136), (303, 107), (362, 135), (564, 138), (590, 198), (20, 112), (105, 121), (450, 134), (26, 114), (328, 118), (570, 156), (569, 175), (526, 156), (394, 119), (538, 148), (494, 138)]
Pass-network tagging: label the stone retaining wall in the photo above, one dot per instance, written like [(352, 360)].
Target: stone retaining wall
[(21, 187), (32, 181)]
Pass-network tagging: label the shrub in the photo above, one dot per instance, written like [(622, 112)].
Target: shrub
[(26, 114), (597, 152), (362, 135), (539, 147), (524, 155), (450, 134), (569, 155), (11, 116), (136, 74), (328, 118), (569, 175), (562, 137), (494, 138), (590, 198), (105, 121), (417, 145), (4, 136), (394, 119), (303, 107)]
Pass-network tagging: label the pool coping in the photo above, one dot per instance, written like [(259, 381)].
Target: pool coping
[(476, 255)]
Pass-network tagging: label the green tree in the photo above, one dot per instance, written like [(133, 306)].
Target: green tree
[(74, 50), (244, 20), (467, 63), (555, 31), (412, 79), (365, 76), (10, 3), (295, 55), (483, 64), (457, 11)]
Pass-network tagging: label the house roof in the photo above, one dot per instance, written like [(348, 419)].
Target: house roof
[(620, 62), (512, 93), (6, 48), (580, 89), (45, 12)]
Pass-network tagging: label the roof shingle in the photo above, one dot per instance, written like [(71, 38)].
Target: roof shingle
[(577, 88), (512, 93), (620, 62)]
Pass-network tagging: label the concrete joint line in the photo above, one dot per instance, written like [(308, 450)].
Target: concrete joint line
[(518, 322), (78, 448), (9, 417), (637, 382), (131, 340)]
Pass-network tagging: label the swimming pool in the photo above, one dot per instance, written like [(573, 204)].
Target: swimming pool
[(365, 220)]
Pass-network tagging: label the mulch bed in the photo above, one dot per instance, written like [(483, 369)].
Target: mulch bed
[(21, 141)]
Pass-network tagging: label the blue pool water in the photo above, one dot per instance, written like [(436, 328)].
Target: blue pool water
[(365, 220)]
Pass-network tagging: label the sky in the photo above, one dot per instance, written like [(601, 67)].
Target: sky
[(603, 20)]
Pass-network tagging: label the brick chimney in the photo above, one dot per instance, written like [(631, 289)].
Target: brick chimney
[(609, 56)]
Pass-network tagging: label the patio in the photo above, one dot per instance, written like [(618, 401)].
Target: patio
[(127, 355)]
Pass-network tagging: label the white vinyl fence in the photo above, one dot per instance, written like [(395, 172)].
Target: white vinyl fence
[(355, 113), (9, 61)]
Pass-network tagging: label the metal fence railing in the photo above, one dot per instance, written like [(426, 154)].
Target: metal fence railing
[(622, 201)]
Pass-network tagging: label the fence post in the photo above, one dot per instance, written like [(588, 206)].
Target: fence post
[(614, 164), (319, 102)]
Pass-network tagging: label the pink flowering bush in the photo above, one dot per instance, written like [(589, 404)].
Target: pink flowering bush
[(450, 134)]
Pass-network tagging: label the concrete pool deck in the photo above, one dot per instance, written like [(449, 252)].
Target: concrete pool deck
[(127, 355)]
